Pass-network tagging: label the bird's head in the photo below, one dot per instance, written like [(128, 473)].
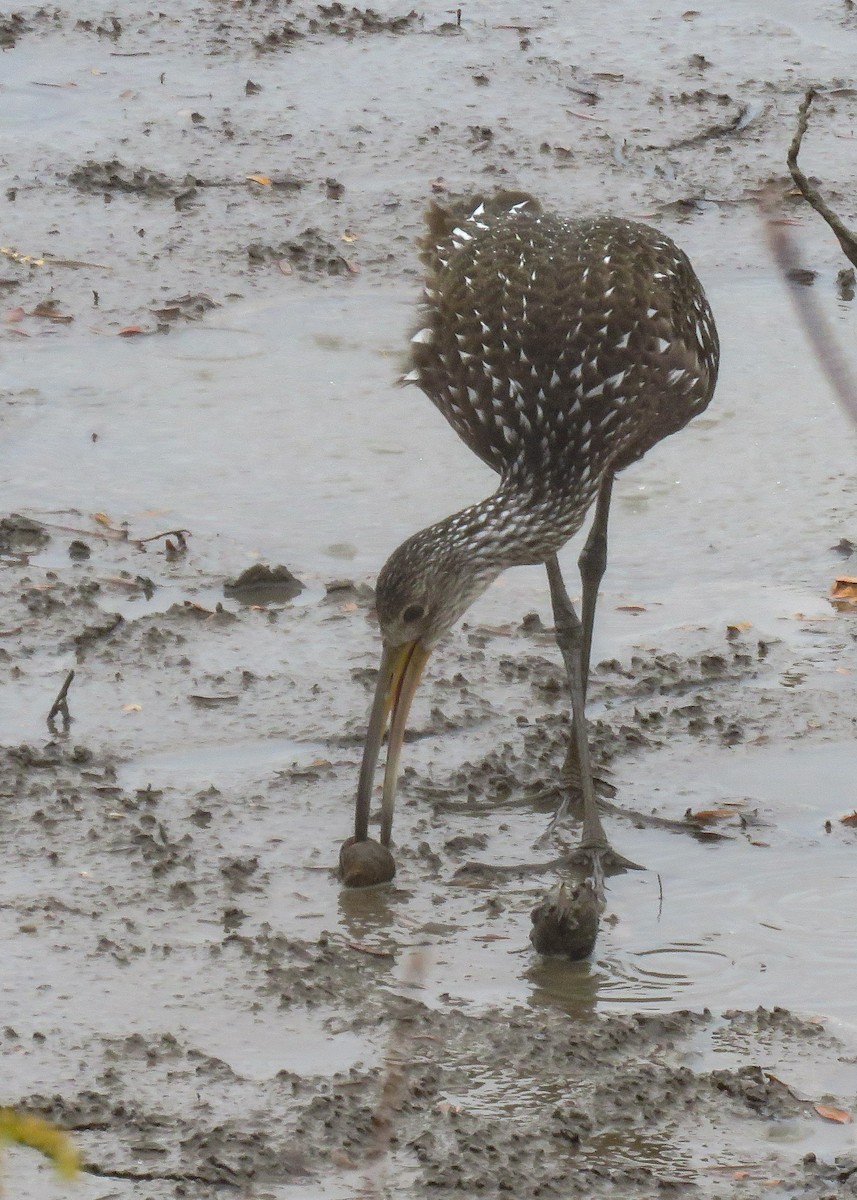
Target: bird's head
[(425, 586)]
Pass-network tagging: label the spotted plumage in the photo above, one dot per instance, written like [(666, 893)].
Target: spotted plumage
[(559, 351), (558, 348)]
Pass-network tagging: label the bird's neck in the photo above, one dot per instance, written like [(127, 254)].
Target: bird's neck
[(524, 521)]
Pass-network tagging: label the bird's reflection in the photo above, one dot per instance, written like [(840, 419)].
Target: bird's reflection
[(571, 987)]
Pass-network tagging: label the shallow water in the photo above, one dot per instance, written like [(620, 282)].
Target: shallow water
[(282, 436), (274, 430)]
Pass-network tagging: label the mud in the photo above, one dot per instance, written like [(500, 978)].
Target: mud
[(186, 986)]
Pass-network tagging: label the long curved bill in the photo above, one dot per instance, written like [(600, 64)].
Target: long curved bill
[(401, 668)]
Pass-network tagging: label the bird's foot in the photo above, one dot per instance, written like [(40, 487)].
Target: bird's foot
[(566, 798), (570, 806), (565, 923), (602, 860)]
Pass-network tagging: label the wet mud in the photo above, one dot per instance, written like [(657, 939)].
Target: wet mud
[(186, 986)]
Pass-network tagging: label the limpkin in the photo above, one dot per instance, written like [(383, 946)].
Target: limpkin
[(559, 351)]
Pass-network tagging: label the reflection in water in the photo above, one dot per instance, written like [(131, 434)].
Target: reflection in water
[(571, 986), (653, 978), (370, 915)]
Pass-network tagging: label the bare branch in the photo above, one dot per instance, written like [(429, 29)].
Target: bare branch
[(60, 705), (847, 240)]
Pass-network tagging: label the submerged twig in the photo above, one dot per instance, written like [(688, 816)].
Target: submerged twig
[(847, 239), (735, 124), (60, 705), (178, 534)]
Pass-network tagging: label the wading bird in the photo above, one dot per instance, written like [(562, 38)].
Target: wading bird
[(559, 351)]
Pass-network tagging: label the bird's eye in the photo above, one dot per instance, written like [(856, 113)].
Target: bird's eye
[(414, 612)]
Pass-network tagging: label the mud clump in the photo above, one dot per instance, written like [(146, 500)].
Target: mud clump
[(366, 863), (348, 591), (565, 924), (338, 19), (191, 307), (11, 28), (310, 254), (278, 39), (22, 535), (261, 584), (335, 20), (115, 176)]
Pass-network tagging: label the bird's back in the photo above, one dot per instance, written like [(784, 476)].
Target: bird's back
[(556, 348)]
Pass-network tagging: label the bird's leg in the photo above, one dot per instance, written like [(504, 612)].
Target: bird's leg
[(592, 564), (594, 845)]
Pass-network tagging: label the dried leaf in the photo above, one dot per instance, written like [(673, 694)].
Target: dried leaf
[(850, 820), (13, 315), (132, 330), (844, 588), (285, 267), (840, 1115), (707, 816), (132, 707), (102, 519), (349, 236), (739, 627), (630, 608), (48, 309), (263, 179)]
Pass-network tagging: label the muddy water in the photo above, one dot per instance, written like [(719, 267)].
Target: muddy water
[(185, 985), (282, 436)]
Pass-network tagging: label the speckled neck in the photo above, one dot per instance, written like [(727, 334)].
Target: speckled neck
[(522, 523)]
